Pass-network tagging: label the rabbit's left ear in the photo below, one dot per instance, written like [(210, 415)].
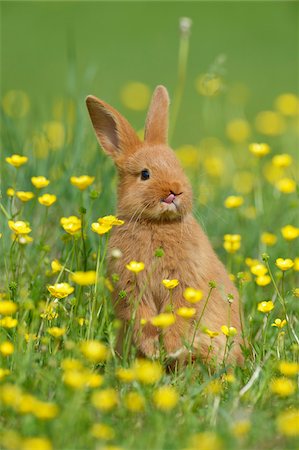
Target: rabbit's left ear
[(156, 125)]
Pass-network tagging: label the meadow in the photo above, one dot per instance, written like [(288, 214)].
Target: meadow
[(62, 385)]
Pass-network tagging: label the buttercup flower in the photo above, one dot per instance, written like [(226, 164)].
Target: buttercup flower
[(165, 398), (6, 348), (56, 331), (268, 239), (16, 160), (233, 201), (192, 295), (7, 307), (282, 386), (287, 422), (259, 149), (71, 224), (241, 427), (40, 443), (10, 192), (228, 331), (95, 351), (135, 266), (147, 372), (102, 431), (284, 264), (105, 400), (279, 323), (135, 95), (170, 284), (110, 220), (82, 182), (47, 199), (19, 227), (263, 280), (289, 232), (232, 242), (288, 368), (287, 104), (282, 161), (125, 375), (40, 182), (211, 333), (8, 322), (286, 185), (134, 402), (100, 228), (265, 306), (163, 320), (60, 290), (258, 269), (24, 196), (84, 278), (186, 312), (56, 266)]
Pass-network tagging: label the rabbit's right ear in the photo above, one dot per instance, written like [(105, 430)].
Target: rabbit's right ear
[(113, 131)]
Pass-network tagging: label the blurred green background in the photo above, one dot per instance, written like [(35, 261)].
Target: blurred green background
[(53, 48)]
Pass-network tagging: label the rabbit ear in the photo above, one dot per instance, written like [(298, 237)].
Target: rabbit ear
[(156, 125), (113, 131)]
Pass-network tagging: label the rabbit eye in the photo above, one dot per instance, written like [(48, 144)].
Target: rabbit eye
[(145, 174)]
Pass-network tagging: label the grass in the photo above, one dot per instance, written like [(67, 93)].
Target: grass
[(64, 387)]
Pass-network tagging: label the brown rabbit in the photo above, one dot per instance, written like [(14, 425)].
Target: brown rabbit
[(155, 201)]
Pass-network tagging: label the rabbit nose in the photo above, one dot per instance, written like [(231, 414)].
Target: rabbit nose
[(169, 199)]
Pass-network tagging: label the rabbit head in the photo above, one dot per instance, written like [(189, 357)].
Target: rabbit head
[(152, 183)]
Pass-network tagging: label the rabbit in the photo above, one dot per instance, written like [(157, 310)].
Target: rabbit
[(155, 202)]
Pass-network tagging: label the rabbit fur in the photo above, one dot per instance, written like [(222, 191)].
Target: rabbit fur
[(158, 214)]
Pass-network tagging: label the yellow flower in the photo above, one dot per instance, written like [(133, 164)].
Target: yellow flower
[(282, 161), (165, 398), (270, 123), (238, 130), (16, 103), (288, 368), (259, 149), (71, 224), (7, 307), (268, 239), (278, 323), (6, 348), (186, 312), (44, 411), (56, 266), (296, 265), (258, 269), (207, 440), (265, 306), (208, 84), (40, 182), (284, 264), (36, 443), (100, 228), (135, 266), (241, 427), (94, 351), (263, 280), (16, 160), (19, 227), (10, 192), (287, 422), (135, 95), (287, 104), (55, 134), (125, 375), (110, 220), (71, 364), (286, 185), (8, 322), (134, 402), (210, 333), (192, 295), (147, 372), (163, 320), (170, 284), (47, 199), (232, 242), (289, 232), (243, 181), (102, 431), (4, 373), (188, 156), (105, 400), (84, 278), (49, 312), (56, 331), (22, 239), (282, 386), (214, 387), (24, 196), (233, 201), (228, 331), (60, 290), (82, 182)]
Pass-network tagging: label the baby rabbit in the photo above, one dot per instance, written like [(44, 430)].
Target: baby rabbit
[(155, 202)]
